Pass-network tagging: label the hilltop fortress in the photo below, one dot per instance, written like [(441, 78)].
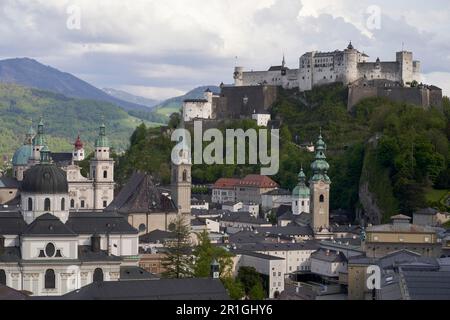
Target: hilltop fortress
[(254, 92), (347, 66)]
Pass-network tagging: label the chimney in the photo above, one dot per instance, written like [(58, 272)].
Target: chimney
[(95, 243), (2, 245)]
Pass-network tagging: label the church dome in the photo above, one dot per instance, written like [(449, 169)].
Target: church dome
[(45, 179), (22, 155), (301, 191)]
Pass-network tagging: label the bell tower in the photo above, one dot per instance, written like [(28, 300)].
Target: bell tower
[(320, 190), (102, 172), (38, 143), (181, 179)]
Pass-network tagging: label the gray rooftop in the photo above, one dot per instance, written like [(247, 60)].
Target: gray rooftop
[(162, 289)]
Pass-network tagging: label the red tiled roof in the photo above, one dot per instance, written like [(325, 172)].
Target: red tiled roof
[(226, 183), (254, 180)]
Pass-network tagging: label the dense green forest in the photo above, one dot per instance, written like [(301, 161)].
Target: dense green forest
[(400, 150), (64, 118)]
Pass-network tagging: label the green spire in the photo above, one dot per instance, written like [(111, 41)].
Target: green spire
[(45, 155), (102, 140), (39, 139), (320, 165), (30, 134)]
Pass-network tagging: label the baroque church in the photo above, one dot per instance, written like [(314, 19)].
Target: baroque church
[(48, 249), (93, 193)]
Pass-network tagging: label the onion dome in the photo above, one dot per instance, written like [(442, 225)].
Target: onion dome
[(301, 190), (78, 144), (320, 165), (350, 46), (22, 155), (102, 140)]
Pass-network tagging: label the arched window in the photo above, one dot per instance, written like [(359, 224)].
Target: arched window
[(47, 204), (105, 174), (72, 203), (142, 227), (184, 175), (98, 275), (3, 277), (63, 204), (322, 198), (50, 279), (30, 204)]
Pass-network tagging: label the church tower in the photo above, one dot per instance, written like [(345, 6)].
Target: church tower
[(300, 195), (320, 190), (102, 172), (78, 150), (38, 143), (181, 179)]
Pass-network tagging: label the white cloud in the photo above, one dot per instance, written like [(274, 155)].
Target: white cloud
[(173, 45)]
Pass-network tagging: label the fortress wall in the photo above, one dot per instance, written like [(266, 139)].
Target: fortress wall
[(423, 97)]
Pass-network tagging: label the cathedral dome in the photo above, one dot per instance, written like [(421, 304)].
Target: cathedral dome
[(45, 179), (22, 155)]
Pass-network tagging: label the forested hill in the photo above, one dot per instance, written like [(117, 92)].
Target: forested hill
[(64, 118), (385, 158)]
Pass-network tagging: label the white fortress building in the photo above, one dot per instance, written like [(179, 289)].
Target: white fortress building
[(347, 66)]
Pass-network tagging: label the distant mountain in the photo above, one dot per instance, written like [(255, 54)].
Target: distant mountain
[(64, 118), (172, 105), (30, 73), (125, 96)]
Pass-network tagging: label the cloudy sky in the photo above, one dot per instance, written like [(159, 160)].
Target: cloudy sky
[(159, 49)]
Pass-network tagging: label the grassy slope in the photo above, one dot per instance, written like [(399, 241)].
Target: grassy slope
[(64, 118)]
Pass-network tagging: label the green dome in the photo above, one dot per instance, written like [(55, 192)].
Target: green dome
[(22, 155), (102, 140), (301, 190)]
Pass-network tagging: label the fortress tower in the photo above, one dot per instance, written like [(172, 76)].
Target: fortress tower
[(351, 60), (238, 76)]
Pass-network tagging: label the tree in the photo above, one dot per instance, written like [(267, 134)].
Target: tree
[(257, 292), (178, 262), (204, 255), (249, 278), (234, 287)]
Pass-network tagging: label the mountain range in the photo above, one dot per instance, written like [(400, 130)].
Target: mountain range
[(31, 73), (126, 96)]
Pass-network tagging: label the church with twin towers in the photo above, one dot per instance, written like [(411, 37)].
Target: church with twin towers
[(92, 193)]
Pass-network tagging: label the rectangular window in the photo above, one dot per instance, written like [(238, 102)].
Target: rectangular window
[(105, 204), (82, 203)]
